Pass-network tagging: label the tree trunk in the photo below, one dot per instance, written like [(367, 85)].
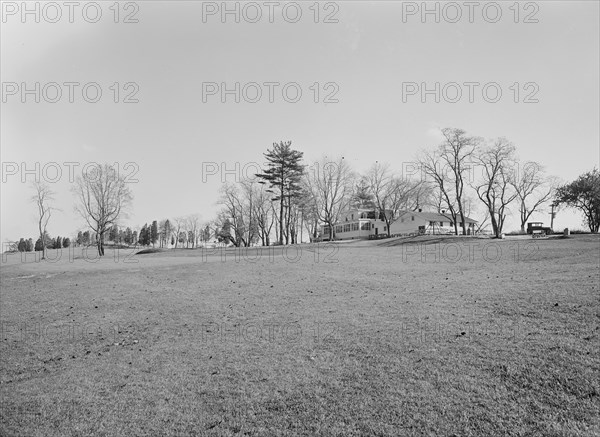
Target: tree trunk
[(494, 222), (42, 240), (281, 217), (100, 243)]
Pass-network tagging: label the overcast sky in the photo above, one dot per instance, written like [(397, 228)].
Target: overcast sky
[(365, 61)]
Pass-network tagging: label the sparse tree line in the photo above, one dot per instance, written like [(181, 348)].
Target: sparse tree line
[(27, 244), (289, 198)]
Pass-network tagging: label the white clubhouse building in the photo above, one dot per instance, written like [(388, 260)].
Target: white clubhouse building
[(366, 223)]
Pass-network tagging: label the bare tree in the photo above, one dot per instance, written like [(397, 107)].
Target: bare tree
[(252, 197), (533, 189), (164, 227), (495, 189), (193, 224), (392, 195), (449, 166), (329, 185), (445, 199), (102, 195), (263, 213), (237, 211), (176, 225), (42, 198)]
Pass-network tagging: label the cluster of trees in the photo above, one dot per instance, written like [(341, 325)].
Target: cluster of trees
[(288, 198), (460, 174), (273, 201), (27, 245), (463, 164), (183, 231)]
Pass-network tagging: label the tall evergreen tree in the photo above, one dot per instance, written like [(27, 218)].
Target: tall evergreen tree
[(362, 197), (143, 236), (128, 237), (168, 231), (113, 233), (283, 174), (154, 233)]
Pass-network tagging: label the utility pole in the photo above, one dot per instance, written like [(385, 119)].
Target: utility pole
[(552, 215)]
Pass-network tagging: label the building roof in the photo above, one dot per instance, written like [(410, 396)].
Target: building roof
[(437, 216)]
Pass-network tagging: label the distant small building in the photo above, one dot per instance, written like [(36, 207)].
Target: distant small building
[(368, 223)]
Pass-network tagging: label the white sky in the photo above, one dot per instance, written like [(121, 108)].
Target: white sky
[(369, 53)]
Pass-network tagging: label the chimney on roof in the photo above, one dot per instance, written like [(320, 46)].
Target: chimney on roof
[(420, 210)]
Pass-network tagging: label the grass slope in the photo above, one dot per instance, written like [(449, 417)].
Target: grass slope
[(317, 340)]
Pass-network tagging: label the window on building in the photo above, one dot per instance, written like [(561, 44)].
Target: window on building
[(431, 223), (355, 226), (412, 218), (365, 226), (441, 224), (347, 227), (384, 228), (352, 216)]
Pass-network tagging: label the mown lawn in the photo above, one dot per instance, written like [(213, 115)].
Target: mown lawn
[(353, 339)]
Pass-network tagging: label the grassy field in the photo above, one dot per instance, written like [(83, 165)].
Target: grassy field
[(454, 336)]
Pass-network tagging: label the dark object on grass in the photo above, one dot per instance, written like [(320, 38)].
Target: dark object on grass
[(150, 250)]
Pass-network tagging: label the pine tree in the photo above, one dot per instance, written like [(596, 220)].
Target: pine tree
[(87, 238), (154, 233), (362, 197), (283, 174), (113, 233), (128, 237), (142, 236)]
